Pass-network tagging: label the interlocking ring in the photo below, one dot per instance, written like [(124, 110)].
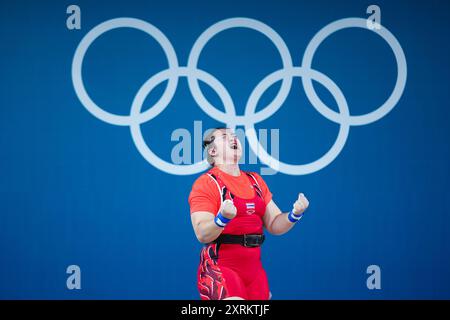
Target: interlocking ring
[(229, 117)]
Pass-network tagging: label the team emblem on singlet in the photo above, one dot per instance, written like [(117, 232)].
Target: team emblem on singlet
[(250, 207)]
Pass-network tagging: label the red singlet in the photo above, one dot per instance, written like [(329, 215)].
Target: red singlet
[(229, 270)]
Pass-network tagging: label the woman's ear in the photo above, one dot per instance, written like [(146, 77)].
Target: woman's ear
[(212, 151)]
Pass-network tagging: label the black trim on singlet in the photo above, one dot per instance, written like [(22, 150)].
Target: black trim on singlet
[(255, 185), (217, 250), (224, 193), (224, 189)]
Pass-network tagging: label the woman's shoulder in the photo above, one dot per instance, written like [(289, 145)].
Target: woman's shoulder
[(204, 181)]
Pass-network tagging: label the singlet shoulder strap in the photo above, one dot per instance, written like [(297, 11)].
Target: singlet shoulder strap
[(220, 187), (213, 177), (255, 184), (253, 177)]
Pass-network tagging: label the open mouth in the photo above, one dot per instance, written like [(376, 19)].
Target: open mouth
[(234, 146)]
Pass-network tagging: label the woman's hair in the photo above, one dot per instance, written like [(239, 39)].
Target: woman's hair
[(208, 143)]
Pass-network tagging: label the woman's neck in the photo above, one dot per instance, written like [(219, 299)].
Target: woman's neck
[(231, 169)]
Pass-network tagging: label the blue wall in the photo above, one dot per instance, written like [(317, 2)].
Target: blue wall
[(75, 190)]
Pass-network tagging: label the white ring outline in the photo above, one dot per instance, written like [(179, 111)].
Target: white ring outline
[(135, 127), (396, 94), (211, 32), (84, 45), (329, 156)]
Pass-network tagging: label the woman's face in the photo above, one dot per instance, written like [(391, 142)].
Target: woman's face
[(228, 148)]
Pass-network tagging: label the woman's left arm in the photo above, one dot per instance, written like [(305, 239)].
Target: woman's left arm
[(277, 222)]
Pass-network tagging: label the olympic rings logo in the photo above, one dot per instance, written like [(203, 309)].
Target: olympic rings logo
[(229, 117)]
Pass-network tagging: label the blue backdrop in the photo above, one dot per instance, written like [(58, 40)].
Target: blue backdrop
[(75, 190)]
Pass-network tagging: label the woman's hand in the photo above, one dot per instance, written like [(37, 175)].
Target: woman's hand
[(279, 223), (204, 223), (228, 209), (300, 205)]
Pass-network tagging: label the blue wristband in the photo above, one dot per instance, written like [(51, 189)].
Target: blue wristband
[(294, 217), (220, 220)]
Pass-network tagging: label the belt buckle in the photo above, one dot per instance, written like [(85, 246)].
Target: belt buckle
[(250, 245)]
